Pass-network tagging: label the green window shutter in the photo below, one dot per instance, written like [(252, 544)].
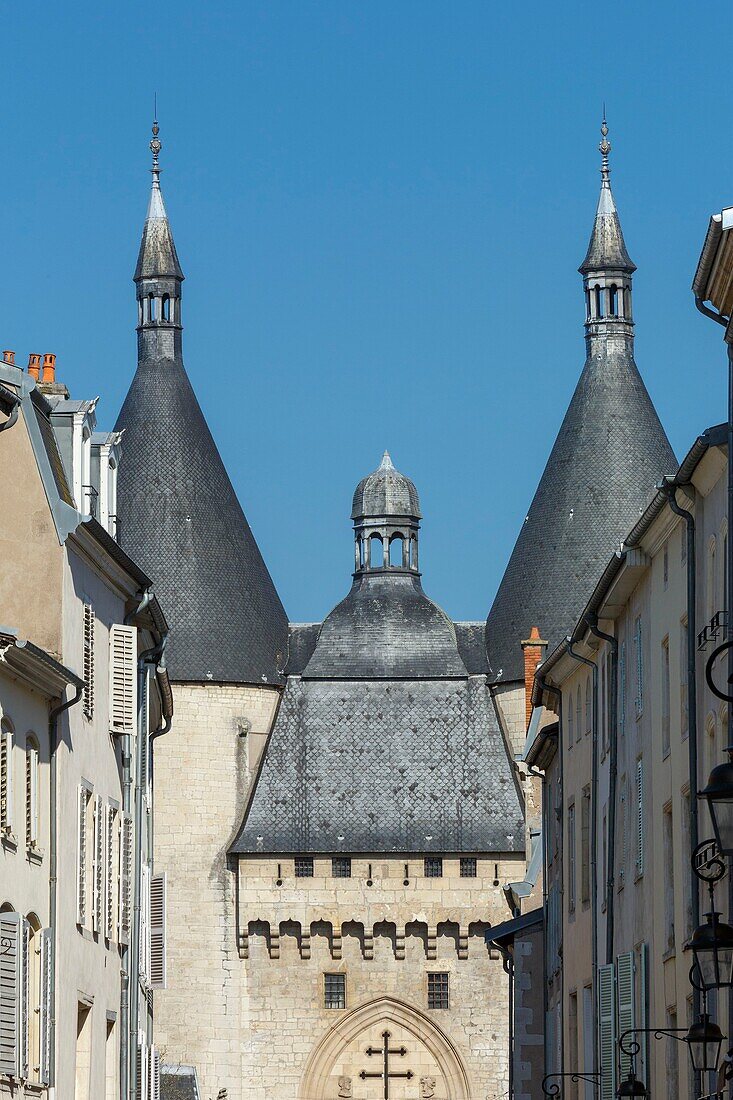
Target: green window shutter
[(11, 981), (607, 1031), (625, 1001)]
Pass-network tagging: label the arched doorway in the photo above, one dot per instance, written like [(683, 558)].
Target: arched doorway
[(384, 1049)]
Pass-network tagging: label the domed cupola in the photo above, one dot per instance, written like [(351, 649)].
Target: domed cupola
[(386, 628), (386, 515)]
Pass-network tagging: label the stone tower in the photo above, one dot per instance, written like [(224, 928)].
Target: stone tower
[(383, 823), (609, 453), (180, 518)]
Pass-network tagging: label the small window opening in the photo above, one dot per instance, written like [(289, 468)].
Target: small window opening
[(166, 308), (334, 990), (376, 552), (599, 302), (613, 301), (341, 867), (396, 550), (151, 308), (433, 867), (438, 990), (304, 867), (468, 867), (361, 553)]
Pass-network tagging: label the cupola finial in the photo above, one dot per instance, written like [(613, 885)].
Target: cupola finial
[(155, 146), (604, 148)]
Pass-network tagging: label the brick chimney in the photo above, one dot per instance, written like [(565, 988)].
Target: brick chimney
[(34, 366), (49, 368), (9, 358), (533, 649)]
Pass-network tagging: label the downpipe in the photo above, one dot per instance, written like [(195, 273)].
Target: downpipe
[(547, 811)]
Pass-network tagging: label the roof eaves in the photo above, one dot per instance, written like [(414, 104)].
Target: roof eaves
[(707, 257), (501, 934), (38, 666), (115, 551)]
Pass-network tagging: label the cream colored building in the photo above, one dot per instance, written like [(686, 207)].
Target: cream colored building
[(67, 586)]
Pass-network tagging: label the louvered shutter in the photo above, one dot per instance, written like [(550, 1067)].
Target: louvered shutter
[(143, 1069), (45, 1016), (81, 900), (125, 894), (154, 1074), (158, 902), (622, 689), (143, 943), (640, 817), (88, 661), (25, 1007), (6, 779), (11, 980), (625, 1002), (110, 885), (607, 1031), (643, 1061), (123, 679), (639, 669), (98, 865)]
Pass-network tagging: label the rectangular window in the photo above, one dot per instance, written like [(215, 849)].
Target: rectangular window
[(438, 990), (684, 708), (571, 858), (304, 866), (334, 991), (665, 696), (623, 832), (640, 817), (88, 661), (341, 867), (668, 865), (433, 867), (585, 846), (607, 1031), (468, 867), (639, 663), (123, 679)]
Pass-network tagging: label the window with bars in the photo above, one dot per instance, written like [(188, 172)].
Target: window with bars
[(341, 867), (433, 867), (304, 867), (438, 990), (334, 991), (88, 661), (468, 867)]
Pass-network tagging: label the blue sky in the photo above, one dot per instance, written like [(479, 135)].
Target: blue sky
[(380, 209)]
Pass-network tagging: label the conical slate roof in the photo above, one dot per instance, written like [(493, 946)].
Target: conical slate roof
[(606, 248), (157, 257), (610, 452)]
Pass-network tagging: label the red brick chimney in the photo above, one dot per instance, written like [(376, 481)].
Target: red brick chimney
[(49, 368), (34, 366), (9, 358), (533, 649)]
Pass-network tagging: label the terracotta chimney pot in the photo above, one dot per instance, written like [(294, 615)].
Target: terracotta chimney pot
[(9, 358), (533, 649), (49, 368), (34, 366)]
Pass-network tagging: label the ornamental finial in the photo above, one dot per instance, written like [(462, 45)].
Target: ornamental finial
[(155, 145), (605, 148)]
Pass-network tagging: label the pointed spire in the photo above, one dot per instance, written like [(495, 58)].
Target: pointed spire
[(386, 463), (157, 257), (607, 249)]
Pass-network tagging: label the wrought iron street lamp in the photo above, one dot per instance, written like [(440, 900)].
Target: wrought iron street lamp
[(719, 796), (711, 943), (631, 1087), (705, 1040)]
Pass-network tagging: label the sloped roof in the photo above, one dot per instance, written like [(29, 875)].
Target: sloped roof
[(157, 257), (606, 248), (609, 453), (180, 519), (385, 766)]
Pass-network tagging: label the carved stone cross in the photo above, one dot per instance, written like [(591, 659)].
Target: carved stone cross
[(386, 1074)]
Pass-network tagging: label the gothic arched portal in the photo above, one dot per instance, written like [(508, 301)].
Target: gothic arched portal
[(349, 1061)]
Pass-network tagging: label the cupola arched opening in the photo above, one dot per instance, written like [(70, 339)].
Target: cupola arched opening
[(600, 313), (376, 552), (613, 300)]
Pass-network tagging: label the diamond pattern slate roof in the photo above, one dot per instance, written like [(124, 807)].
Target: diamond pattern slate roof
[(610, 452), (606, 248), (383, 766), (180, 519)]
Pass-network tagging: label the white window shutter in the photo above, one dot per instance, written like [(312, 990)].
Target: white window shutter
[(123, 679), (110, 886), (10, 993), (625, 1002), (154, 1074), (144, 942), (89, 622), (25, 1007), (158, 901), (45, 1020), (82, 901), (125, 895), (6, 780), (98, 865), (143, 1069), (607, 1031)]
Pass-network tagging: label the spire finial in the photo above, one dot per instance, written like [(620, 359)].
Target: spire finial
[(605, 148), (155, 146), (386, 463)]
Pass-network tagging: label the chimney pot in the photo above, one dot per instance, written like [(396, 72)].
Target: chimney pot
[(49, 368), (34, 366), (9, 358)]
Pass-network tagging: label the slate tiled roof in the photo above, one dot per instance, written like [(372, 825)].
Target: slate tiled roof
[(610, 452), (386, 628), (385, 766), (385, 492), (178, 1083), (606, 248)]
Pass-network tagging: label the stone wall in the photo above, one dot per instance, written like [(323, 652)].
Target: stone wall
[(529, 1049)]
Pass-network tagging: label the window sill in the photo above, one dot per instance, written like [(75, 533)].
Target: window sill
[(34, 855), (10, 842)]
